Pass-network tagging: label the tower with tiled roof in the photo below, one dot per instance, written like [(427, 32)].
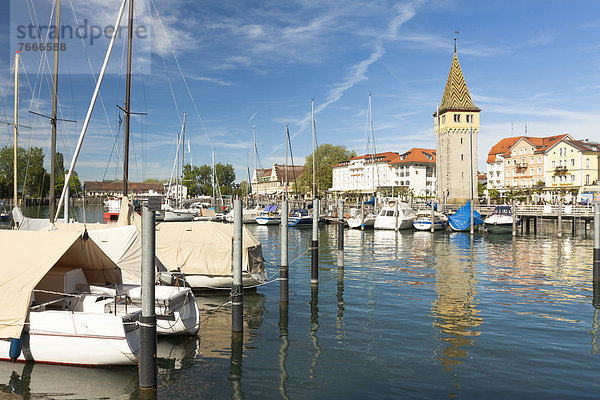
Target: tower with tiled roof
[(454, 120)]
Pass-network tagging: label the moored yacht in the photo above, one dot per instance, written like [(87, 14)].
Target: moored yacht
[(386, 219), (500, 221)]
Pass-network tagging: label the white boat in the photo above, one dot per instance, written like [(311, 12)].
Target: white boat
[(248, 215), (387, 216), (199, 254), (269, 216), (48, 313), (423, 221), (175, 306), (357, 222), (179, 215), (500, 221)]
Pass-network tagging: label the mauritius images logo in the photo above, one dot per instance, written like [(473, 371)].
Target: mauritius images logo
[(85, 31)]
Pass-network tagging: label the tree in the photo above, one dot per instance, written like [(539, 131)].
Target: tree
[(199, 179), (59, 178), (327, 156), (225, 178), (32, 178), (243, 189)]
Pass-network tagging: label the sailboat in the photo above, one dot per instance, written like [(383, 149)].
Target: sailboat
[(176, 212), (367, 220), (168, 300), (49, 312)]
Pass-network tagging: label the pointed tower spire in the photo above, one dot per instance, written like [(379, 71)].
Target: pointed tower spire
[(456, 95)]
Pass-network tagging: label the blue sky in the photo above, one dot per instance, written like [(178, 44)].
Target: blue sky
[(527, 63)]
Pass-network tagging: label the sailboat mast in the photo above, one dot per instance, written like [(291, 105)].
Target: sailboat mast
[(314, 163), (182, 163), (287, 135), (471, 168), (53, 120), (213, 177), (372, 143), (128, 101), (16, 121)]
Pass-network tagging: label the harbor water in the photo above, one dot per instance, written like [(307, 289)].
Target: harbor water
[(411, 315)]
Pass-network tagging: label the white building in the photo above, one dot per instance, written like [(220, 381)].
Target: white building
[(413, 170)]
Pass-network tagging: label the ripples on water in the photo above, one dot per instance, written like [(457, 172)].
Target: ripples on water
[(411, 315)]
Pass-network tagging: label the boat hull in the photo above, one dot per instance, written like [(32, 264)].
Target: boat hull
[(178, 216), (358, 223), (425, 225), (389, 223), (217, 282), (498, 227), (176, 309), (268, 220), (75, 338)]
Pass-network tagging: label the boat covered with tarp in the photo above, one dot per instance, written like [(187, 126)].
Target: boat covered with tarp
[(48, 312), (461, 220)]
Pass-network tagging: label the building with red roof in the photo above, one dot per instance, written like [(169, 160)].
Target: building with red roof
[(413, 170)]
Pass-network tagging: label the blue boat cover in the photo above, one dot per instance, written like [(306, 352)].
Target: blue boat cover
[(370, 202), (461, 220)]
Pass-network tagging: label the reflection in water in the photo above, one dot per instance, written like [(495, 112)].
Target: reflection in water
[(594, 332), (283, 349), (339, 321), (454, 308), (34, 380), (314, 328), (235, 369), (215, 322)]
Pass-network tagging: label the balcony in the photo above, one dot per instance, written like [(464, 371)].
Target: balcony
[(560, 171), (521, 166)]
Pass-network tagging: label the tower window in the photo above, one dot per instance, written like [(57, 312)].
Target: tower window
[(462, 157), (461, 140), (443, 119), (456, 117)]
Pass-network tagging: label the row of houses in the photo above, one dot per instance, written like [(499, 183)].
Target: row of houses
[(553, 162)]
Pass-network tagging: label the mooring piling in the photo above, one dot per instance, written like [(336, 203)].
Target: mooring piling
[(514, 218), (147, 355), (314, 264), (340, 232), (432, 216), (559, 228), (284, 268), (396, 215), (237, 289)]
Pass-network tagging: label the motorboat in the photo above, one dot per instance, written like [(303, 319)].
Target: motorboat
[(198, 254), (461, 220), (387, 217), (49, 313), (501, 220), (423, 221), (358, 222), (269, 216), (178, 214), (300, 217)]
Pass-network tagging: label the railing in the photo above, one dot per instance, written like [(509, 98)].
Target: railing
[(549, 210)]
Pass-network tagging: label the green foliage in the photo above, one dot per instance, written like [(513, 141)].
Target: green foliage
[(59, 180), (327, 155), (32, 177), (199, 179)]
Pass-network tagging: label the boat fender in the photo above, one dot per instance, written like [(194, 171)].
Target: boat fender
[(347, 216), (15, 349), (391, 204)]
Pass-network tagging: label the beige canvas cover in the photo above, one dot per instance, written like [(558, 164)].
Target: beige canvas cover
[(29, 255), (205, 248), (123, 244)]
